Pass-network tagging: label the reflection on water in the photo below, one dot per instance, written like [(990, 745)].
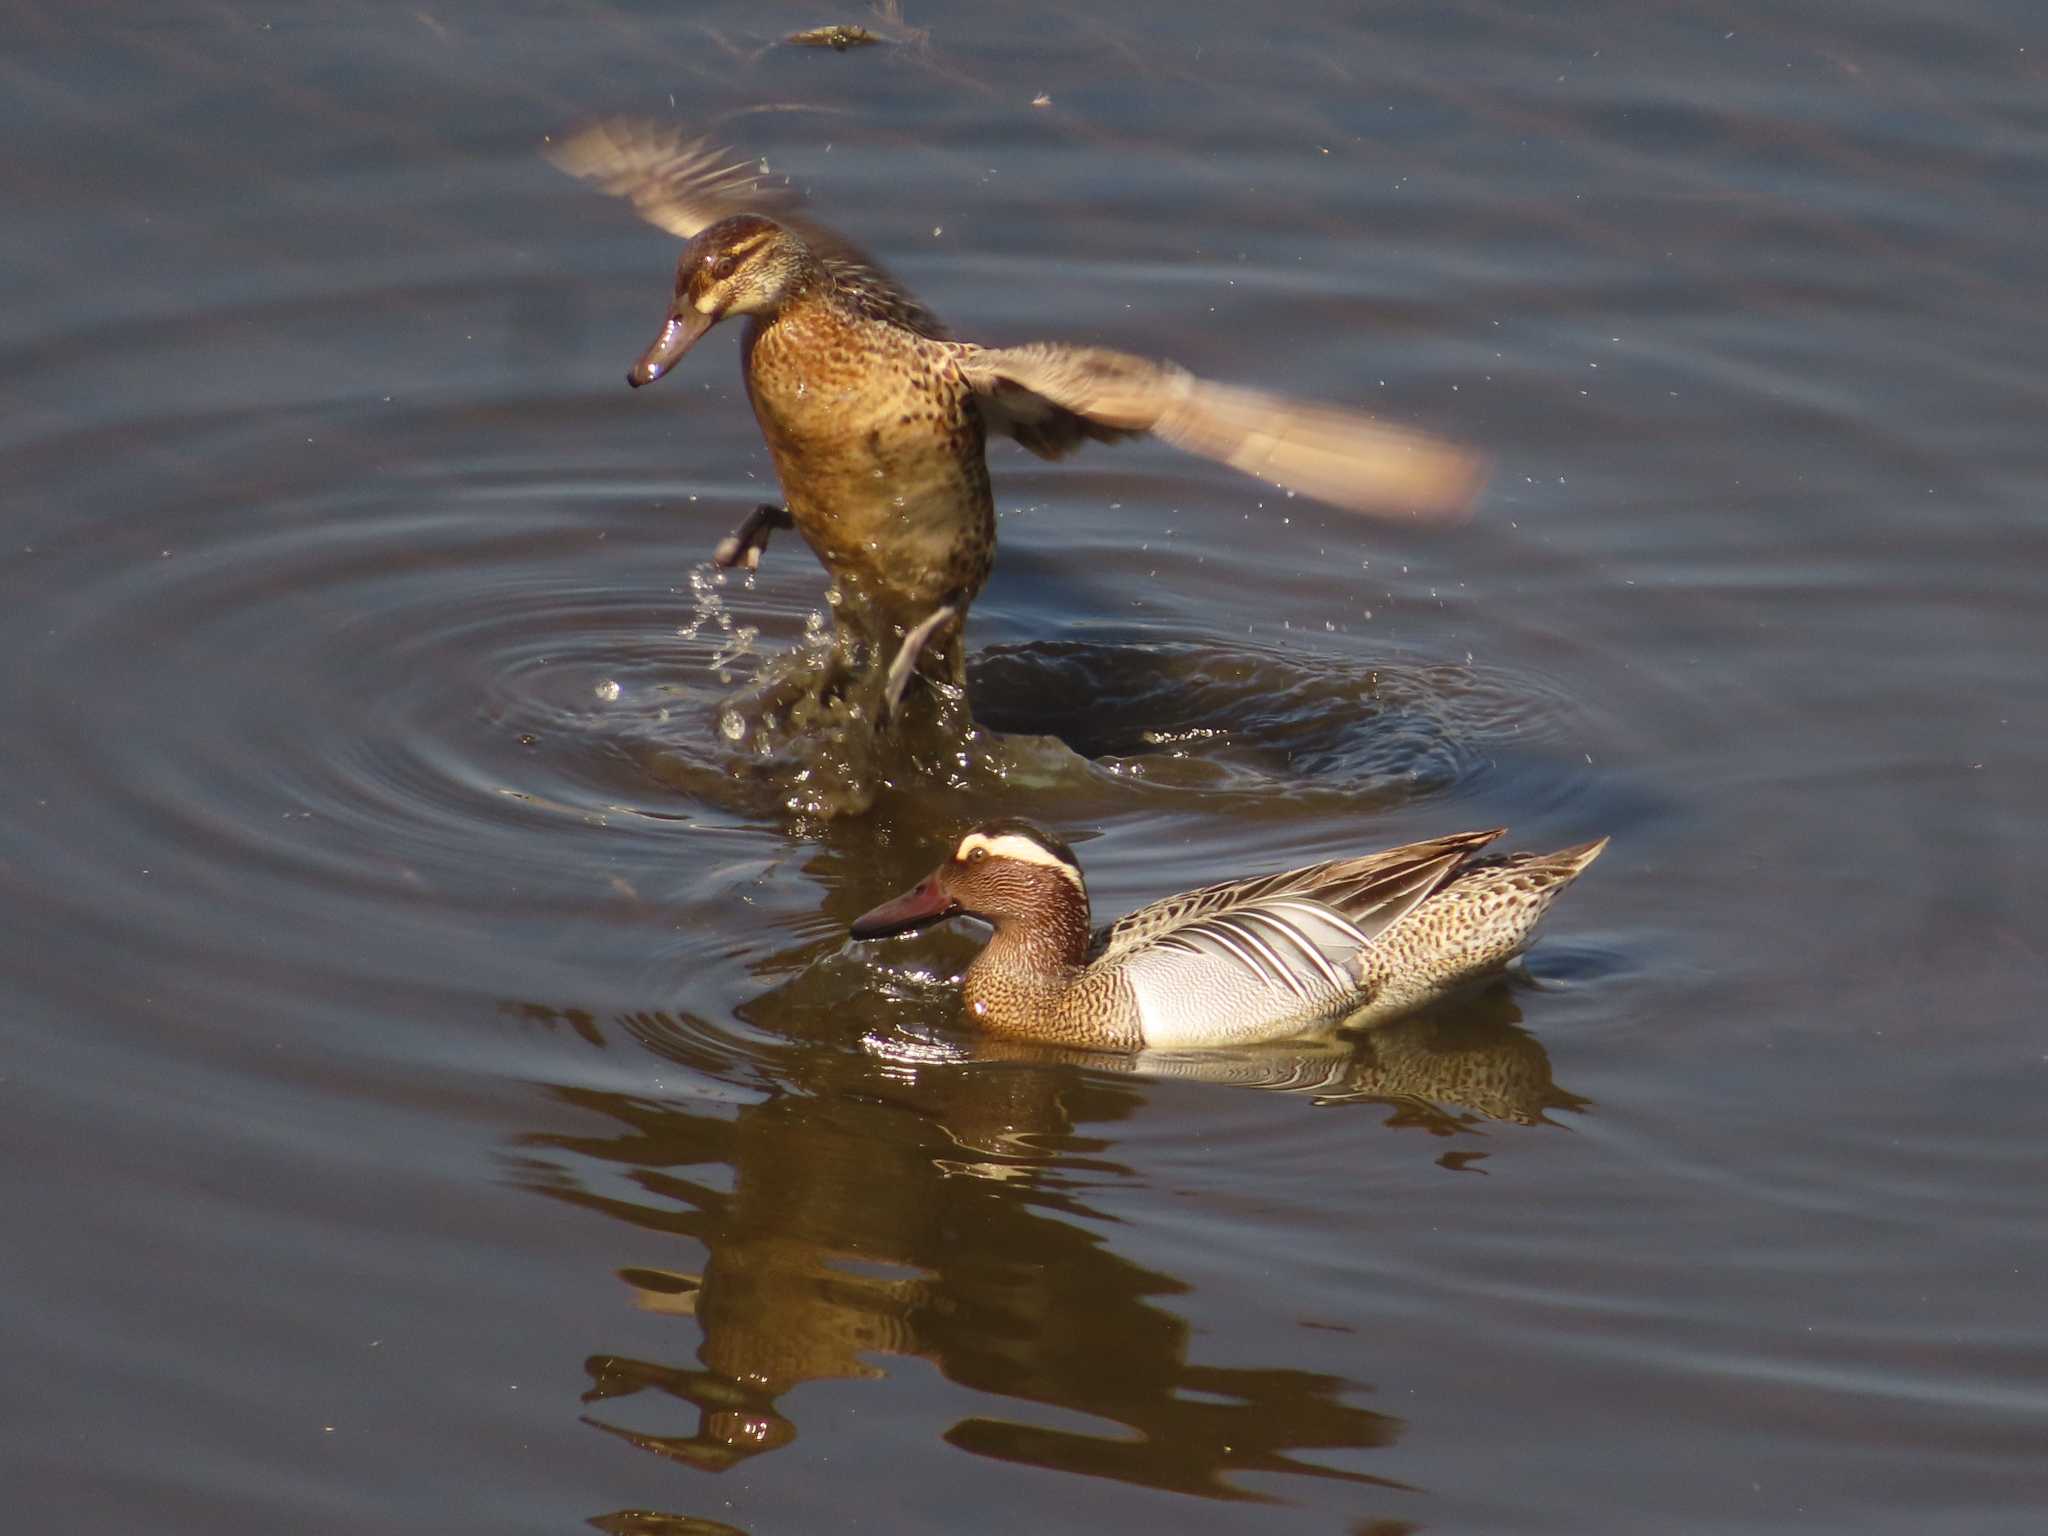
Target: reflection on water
[(909, 1198), (1444, 1070), (648, 1522)]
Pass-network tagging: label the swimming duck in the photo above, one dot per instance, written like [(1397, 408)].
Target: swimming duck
[(1354, 941), (877, 419)]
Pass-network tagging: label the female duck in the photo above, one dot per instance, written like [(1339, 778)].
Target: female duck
[(877, 419), (1353, 941)]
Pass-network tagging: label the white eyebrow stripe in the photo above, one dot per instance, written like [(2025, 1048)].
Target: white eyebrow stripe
[(1026, 850), (744, 247)]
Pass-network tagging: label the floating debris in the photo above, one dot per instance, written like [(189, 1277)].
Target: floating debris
[(1041, 100), (838, 37)]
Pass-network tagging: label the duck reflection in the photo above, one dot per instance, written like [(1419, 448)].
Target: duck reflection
[(885, 1195), (1444, 1071)]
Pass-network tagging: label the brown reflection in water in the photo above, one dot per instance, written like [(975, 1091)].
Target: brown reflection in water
[(654, 1522), (884, 1206), (1445, 1071)]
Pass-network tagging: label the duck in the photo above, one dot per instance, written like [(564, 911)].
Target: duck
[(877, 419), (1351, 942)]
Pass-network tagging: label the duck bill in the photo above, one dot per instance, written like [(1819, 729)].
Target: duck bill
[(676, 338), (916, 908)]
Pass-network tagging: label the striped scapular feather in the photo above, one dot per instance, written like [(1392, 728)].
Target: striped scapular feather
[(1335, 907)]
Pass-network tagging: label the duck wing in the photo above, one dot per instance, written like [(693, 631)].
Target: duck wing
[(1362, 895), (684, 185), (1051, 398), (1289, 959)]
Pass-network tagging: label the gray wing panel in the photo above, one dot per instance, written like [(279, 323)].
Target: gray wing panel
[(1258, 972)]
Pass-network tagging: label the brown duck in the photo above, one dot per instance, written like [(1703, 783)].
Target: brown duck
[(1354, 942), (877, 420)]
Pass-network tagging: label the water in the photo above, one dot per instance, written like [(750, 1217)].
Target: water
[(438, 1089)]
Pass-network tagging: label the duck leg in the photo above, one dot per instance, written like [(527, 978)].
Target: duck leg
[(744, 544), (903, 666)]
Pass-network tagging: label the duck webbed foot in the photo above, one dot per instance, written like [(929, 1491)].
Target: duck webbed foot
[(903, 666), (744, 544)]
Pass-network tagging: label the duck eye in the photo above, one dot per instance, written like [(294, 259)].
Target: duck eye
[(722, 268), (977, 855)]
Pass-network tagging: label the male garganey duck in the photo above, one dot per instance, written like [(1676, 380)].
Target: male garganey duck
[(877, 419), (1274, 957)]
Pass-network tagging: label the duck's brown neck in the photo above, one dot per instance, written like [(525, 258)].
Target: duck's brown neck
[(1054, 938), (1032, 957)]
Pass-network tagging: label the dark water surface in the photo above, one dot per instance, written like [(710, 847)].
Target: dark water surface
[(436, 1092)]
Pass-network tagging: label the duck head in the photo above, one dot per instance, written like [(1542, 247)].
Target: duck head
[(744, 265), (1000, 871)]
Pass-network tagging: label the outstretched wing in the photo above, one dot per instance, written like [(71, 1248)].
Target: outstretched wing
[(1051, 398), (677, 184), (685, 185)]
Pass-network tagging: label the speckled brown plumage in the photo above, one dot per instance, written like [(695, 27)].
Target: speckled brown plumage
[(1353, 941), (1473, 924), (889, 487)]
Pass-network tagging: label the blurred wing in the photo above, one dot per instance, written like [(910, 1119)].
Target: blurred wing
[(1052, 397), (685, 185), (677, 184)]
